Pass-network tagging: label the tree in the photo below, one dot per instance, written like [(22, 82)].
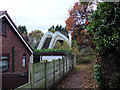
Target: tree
[(78, 20), (62, 30), (22, 29), (75, 47), (25, 36), (63, 45), (24, 32), (34, 38), (51, 29), (104, 30), (59, 28), (57, 45)]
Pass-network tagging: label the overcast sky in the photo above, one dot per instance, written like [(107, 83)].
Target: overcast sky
[(38, 14)]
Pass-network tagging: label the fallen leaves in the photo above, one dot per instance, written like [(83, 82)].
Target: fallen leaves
[(81, 77)]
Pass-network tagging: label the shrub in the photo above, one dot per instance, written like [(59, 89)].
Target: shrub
[(38, 52), (97, 74), (104, 31), (85, 60), (64, 51)]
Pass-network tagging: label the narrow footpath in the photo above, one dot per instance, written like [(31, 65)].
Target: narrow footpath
[(80, 77)]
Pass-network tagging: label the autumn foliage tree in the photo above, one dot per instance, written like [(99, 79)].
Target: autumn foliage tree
[(34, 38), (78, 20)]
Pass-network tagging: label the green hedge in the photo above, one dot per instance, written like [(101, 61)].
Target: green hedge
[(104, 30), (41, 51), (65, 51)]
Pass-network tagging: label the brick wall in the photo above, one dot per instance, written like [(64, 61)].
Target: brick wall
[(13, 40), (11, 81)]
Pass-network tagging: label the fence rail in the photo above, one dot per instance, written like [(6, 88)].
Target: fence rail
[(47, 74)]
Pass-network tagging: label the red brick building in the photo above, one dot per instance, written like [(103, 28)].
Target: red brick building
[(16, 51)]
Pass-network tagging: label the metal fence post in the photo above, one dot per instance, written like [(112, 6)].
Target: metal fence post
[(63, 67), (32, 75), (74, 60), (59, 67), (53, 71), (66, 64)]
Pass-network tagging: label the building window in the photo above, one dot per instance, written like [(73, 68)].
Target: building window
[(3, 27), (4, 63), (24, 60)]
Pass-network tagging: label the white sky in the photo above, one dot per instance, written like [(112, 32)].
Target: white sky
[(38, 14)]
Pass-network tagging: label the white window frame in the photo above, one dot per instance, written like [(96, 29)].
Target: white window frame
[(24, 60), (4, 58)]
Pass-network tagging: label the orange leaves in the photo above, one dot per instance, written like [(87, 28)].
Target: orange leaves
[(78, 38), (83, 31), (81, 40), (77, 15), (86, 22), (72, 35), (71, 21)]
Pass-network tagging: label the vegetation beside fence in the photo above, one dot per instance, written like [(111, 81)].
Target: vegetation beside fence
[(39, 52), (47, 74), (65, 51), (104, 30)]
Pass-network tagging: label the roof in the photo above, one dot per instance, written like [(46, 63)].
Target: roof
[(5, 14)]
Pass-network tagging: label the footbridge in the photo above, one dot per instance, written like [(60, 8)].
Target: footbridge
[(49, 40)]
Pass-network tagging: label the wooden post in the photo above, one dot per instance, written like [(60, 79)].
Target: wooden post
[(46, 76)]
